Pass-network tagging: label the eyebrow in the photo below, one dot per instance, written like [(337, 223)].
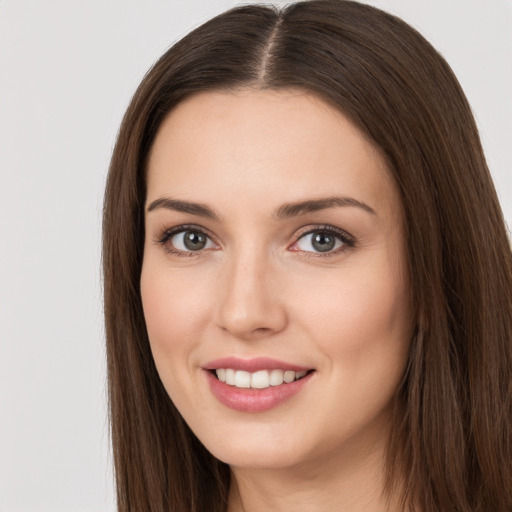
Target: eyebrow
[(313, 205), (285, 211), (183, 206)]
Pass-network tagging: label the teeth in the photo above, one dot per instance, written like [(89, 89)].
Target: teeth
[(230, 377), (276, 377), (242, 379), (258, 380), (289, 376)]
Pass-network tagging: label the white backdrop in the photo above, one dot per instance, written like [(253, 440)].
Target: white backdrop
[(67, 71)]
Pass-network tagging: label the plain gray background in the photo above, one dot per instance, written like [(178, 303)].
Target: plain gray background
[(67, 71)]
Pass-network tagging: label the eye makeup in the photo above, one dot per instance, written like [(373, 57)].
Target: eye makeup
[(314, 241), (326, 240), (194, 240)]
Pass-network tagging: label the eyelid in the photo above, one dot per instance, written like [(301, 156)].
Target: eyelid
[(347, 239), (166, 234)]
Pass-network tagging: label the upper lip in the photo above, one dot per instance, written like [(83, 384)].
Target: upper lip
[(253, 365)]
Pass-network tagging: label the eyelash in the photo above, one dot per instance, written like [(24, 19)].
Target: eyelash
[(169, 233), (347, 240)]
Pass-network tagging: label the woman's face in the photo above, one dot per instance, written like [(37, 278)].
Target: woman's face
[(274, 247)]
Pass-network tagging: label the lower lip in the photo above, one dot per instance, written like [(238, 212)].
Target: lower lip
[(254, 400)]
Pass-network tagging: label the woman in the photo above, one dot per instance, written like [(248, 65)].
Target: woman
[(308, 282)]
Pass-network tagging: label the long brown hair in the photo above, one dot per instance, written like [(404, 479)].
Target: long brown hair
[(451, 442)]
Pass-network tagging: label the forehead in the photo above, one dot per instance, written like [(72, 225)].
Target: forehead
[(272, 143)]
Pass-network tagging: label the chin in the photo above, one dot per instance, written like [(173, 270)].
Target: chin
[(260, 444), (254, 448), (257, 457)]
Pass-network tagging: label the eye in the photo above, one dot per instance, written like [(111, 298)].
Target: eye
[(323, 241), (191, 241), (186, 240)]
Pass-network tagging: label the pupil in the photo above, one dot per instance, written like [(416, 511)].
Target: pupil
[(323, 242), (194, 241)]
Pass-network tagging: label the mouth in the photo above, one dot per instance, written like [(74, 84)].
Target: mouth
[(256, 385), (260, 379)]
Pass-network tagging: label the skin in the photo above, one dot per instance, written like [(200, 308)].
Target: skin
[(259, 288)]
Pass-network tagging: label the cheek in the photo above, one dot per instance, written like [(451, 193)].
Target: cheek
[(175, 310), (363, 330), (174, 305), (361, 320)]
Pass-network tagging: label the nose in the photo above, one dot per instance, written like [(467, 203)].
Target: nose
[(250, 304)]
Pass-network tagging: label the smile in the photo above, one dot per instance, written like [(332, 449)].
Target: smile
[(258, 380), (255, 385)]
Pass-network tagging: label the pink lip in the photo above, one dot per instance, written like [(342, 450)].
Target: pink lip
[(253, 365), (253, 400)]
